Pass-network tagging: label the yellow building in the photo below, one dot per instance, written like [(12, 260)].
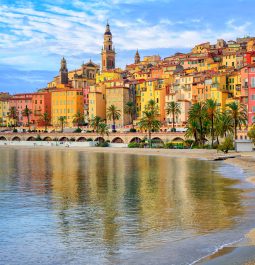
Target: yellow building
[(154, 89), (108, 75), (219, 91), (201, 48), (97, 101), (234, 84), (67, 103), (4, 109), (229, 59)]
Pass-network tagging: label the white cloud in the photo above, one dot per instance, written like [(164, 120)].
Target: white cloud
[(57, 31)]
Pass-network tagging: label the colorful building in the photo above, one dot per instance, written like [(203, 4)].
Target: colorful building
[(66, 103)]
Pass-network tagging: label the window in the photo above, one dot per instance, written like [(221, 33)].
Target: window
[(253, 82)]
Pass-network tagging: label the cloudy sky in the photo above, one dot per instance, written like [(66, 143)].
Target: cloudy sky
[(34, 35)]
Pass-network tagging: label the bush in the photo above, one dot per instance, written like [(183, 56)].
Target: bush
[(89, 140), (169, 145), (72, 139), (143, 144), (38, 138), (189, 142), (226, 145), (15, 130), (173, 130), (132, 130), (78, 130), (133, 145), (103, 144)]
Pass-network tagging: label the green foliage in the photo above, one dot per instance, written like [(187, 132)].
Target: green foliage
[(15, 130), (77, 130), (89, 140), (95, 123), (72, 139), (169, 145), (226, 145), (132, 130), (251, 134), (133, 145), (103, 144), (174, 145)]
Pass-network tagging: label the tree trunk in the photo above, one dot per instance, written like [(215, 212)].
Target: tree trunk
[(113, 120), (28, 121), (235, 130), (150, 138), (173, 120), (212, 133)]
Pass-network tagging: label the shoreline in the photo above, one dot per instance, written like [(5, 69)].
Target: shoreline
[(245, 161)]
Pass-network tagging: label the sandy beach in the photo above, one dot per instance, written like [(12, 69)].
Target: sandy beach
[(241, 253)]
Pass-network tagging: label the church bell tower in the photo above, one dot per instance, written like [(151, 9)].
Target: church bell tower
[(63, 72), (108, 52)]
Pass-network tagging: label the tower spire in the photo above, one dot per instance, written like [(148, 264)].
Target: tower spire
[(108, 53), (137, 57)]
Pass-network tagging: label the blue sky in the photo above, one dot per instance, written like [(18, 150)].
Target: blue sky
[(34, 35)]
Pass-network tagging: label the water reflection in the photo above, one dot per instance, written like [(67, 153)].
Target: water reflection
[(113, 202)]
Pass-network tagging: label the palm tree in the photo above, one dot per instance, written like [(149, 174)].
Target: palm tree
[(212, 110), (12, 114), (62, 120), (149, 122), (238, 114), (174, 109), (46, 119), (223, 125), (103, 129), (198, 116), (152, 106), (113, 114), (192, 130), (130, 110), (95, 122), (78, 119), (26, 112)]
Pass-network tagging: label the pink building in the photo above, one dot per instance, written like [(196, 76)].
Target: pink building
[(20, 101), (251, 94), (38, 103)]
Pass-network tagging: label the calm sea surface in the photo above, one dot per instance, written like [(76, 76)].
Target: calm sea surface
[(73, 207)]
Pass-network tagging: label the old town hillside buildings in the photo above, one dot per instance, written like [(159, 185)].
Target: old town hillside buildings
[(224, 71)]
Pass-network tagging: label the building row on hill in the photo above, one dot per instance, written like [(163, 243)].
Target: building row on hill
[(224, 71)]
